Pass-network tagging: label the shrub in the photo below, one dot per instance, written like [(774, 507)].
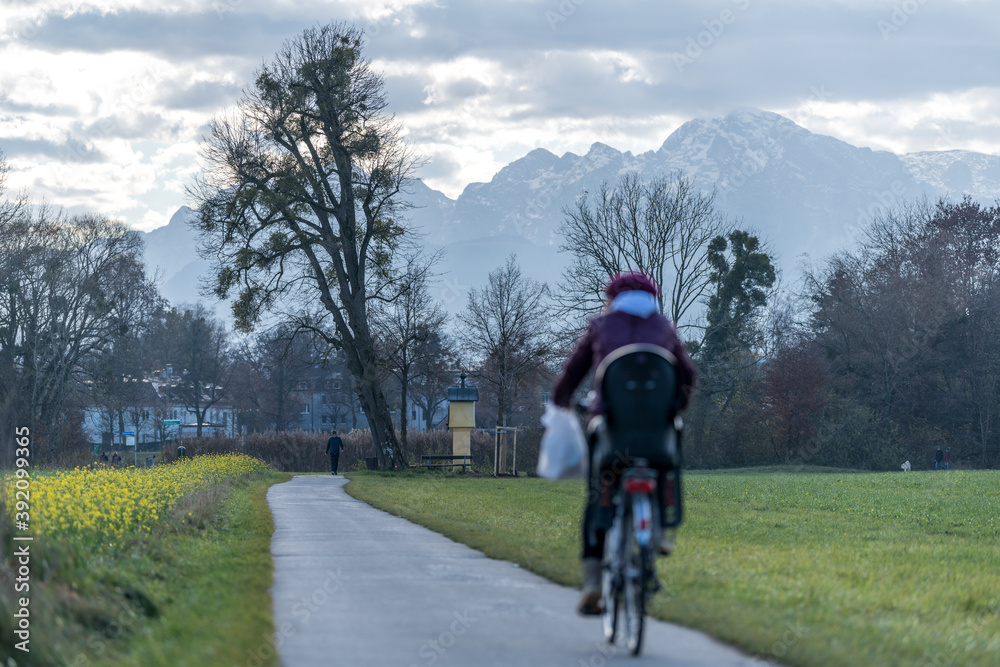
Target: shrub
[(302, 451)]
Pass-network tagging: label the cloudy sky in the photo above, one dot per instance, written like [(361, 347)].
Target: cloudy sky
[(103, 103)]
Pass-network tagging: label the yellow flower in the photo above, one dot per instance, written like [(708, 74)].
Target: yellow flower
[(100, 507)]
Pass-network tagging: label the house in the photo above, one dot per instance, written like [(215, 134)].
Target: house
[(326, 402), (154, 413)]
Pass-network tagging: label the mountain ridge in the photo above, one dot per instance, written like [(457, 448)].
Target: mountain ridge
[(805, 193)]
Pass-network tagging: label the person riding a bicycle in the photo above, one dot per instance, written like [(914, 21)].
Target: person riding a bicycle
[(631, 316)]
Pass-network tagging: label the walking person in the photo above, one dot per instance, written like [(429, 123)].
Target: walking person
[(947, 459), (938, 458), (334, 446)]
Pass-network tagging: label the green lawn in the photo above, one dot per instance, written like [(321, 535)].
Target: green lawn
[(800, 568), (214, 590)]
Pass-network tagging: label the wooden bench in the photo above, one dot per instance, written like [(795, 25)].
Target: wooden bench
[(430, 461)]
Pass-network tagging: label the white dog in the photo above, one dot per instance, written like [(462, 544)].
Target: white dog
[(906, 466)]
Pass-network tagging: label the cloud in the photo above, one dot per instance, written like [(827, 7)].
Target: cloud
[(126, 125), (199, 95), (129, 86), (52, 109), (762, 54), (70, 150), (439, 165), (173, 36), (967, 120)]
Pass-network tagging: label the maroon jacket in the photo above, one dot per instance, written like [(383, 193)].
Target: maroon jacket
[(611, 331)]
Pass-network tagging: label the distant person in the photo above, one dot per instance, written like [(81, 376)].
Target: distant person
[(947, 459), (938, 458), (115, 459), (334, 446), (104, 457)]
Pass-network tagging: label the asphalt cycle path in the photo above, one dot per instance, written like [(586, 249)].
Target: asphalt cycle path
[(355, 586)]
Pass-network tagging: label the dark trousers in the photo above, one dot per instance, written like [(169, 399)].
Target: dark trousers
[(593, 528), (599, 512), (334, 460), (593, 537)]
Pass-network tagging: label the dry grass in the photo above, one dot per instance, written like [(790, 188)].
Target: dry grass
[(301, 451)]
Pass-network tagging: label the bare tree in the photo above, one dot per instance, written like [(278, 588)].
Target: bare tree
[(281, 359), (302, 199), (59, 282), (117, 371), (402, 327), (506, 327), (434, 372), (198, 346), (10, 209), (661, 228)]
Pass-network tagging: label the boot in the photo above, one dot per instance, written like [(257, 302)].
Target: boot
[(590, 601), (664, 541)]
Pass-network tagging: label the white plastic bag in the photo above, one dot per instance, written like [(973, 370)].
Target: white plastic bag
[(563, 453)]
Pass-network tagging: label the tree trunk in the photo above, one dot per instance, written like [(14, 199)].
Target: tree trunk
[(362, 364), (376, 409), (280, 421), (403, 411), (429, 414), (354, 413), (199, 416), (121, 423), (502, 402)]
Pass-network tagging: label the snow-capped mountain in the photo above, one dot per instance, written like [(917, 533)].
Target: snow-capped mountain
[(805, 193), (955, 173), (172, 256)]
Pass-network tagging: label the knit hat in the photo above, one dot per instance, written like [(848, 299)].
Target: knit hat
[(627, 281)]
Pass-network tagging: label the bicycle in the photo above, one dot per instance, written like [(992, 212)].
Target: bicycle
[(629, 556), (639, 433)]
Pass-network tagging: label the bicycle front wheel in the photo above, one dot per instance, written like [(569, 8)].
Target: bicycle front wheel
[(636, 583), (610, 588)]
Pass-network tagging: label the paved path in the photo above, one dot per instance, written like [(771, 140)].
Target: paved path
[(355, 586)]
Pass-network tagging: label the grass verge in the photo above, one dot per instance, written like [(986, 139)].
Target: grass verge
[(798, 568), (195, 591)]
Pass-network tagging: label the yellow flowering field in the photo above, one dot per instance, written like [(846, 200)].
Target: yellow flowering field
[(100, 506)]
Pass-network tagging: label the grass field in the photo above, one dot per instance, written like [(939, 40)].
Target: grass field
[(798, 568)]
